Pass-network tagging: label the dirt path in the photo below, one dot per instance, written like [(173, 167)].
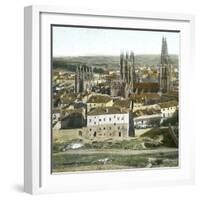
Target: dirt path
[(119, 151)]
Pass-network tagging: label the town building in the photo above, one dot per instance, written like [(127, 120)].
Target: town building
[(147, 118), (67, 100), (96, 101), (123, 103), (168, 108), (117, 88), (146, 87), (109, 122)]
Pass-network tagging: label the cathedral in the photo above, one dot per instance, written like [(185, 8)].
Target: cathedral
[(128, 82), (124, 86), (83, 79)]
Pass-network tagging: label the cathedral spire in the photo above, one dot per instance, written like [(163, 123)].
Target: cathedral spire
[(164, 78), (133, 74), (164, 52), (121, 64)]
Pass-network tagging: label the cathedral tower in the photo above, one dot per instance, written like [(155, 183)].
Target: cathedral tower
[(127, 67), (133, 74), (83, 79), (121, 65), (165, 68)]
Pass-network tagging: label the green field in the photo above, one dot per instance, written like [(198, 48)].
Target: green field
[(106, 161)]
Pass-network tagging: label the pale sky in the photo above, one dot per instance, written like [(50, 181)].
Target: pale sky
[(74, 41)]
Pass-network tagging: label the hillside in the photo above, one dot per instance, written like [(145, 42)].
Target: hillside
[(106, 62)]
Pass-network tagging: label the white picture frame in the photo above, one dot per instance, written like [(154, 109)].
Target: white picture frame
[(37, 137)]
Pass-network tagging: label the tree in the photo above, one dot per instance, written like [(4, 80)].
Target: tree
[(172, 120)]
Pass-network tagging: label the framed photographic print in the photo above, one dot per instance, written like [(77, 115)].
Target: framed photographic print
[(107, 99)]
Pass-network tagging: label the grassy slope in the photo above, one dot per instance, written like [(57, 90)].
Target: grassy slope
[(156, 132)]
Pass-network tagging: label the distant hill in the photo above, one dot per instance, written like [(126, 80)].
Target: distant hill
[(106, 62)]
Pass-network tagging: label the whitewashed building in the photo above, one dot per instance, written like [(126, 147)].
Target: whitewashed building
[(109, 122), (168, 108), (147, 121), (147, 118)]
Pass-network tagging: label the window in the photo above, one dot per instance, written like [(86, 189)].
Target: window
[(118, 127), (104, 128), (110, 119), (110, 128), (99, 120), (122, 118), (119, 134), (104, 119), (114, 124), (90, 129), (90, 120), (114, 116), (118, 118), (95, 134)]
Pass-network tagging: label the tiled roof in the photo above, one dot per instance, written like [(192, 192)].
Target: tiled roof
[(99, 99), (168, 104), (142, 97), (68, 99), (147, 86), (107, 110), (171, 94), (122, 103), (146, 112), (66, 113), (56, 110)]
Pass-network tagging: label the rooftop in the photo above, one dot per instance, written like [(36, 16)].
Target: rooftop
[(142, 97), (56, 110), (168, 104), (122, 103), (107, 110), (65, 112), (146, 112), (99, 99), (171, 94), (147, 86), (68, 98)]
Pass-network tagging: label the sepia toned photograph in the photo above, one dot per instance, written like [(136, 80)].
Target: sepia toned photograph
[(114, 98)]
